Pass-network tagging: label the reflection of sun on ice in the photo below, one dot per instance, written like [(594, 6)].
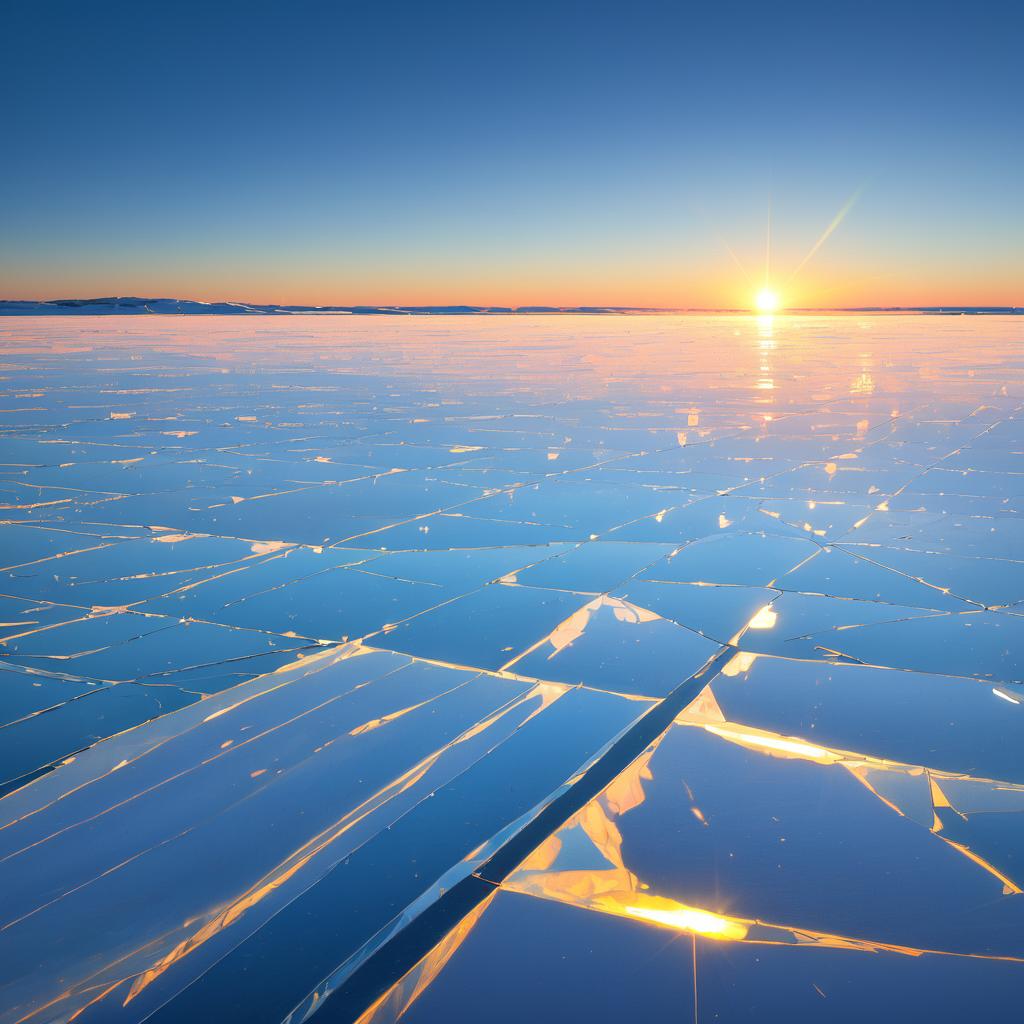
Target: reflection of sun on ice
[(690, 919), (767, 301)]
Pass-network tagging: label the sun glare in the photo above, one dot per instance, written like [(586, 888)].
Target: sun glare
[(767, 301)]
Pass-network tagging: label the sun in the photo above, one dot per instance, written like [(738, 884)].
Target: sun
[(767, 301)]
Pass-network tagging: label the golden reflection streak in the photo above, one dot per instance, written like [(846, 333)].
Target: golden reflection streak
[(689, 919), (1010, 887), (615, 890), (570, 629), (290, 673), (706, 713), (774, 744), (225, 916), (96, 999), (285, 871), (618, 892)]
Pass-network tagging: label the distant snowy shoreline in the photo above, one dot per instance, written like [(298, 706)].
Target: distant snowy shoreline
[(133, 306)]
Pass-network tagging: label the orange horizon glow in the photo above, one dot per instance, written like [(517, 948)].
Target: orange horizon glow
[(832, 280)]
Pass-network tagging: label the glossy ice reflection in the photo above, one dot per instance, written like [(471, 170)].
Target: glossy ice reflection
[(384, 668)]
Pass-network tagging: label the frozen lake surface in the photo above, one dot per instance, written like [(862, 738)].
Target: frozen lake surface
[(511, 668)]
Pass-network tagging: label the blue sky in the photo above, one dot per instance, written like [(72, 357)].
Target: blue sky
[(514, 153)]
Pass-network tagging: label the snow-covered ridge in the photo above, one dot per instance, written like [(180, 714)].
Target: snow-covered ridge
[(189, 307)]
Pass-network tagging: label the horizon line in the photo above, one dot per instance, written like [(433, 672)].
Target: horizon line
[(135, 306)]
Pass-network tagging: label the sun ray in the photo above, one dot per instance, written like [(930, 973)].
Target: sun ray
[(836, 221), (720, 239), (728, 248)]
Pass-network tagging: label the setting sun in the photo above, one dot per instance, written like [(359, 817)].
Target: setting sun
[(767, 301)]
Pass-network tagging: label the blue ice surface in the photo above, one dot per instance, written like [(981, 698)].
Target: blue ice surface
[(494, 667)]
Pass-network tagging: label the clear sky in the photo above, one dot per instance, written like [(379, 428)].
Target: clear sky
[(513, 153)]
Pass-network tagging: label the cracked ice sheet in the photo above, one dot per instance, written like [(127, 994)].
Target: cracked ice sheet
[(488, 628), (241, 823), (981, 644), (130, 571), (885, 714), (24, 694), (985, 582), (739, 559), (611, 644), (71, 722), (120, 647), (522, 958), (360, 594), (704, 517), (980, 537), (489, 493), (734, 833)]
